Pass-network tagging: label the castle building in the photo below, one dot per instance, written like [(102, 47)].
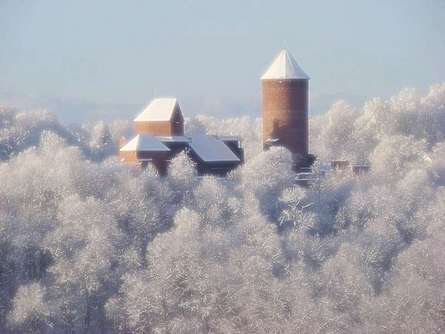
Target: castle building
[(162, 117), (285, 88), (160, 127), (160, 137)]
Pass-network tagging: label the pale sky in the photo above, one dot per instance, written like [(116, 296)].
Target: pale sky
[(114, 56)]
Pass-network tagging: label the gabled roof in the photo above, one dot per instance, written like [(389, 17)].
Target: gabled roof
[(160, 109), (211, 149), (284, 67), (144, 143)]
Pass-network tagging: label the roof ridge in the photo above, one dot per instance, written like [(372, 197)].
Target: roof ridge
[(159, 109)]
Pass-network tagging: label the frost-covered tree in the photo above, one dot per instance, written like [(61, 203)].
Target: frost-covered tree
[(30, 312), (101, 142), (182, 172), (336, 132), (264, 177), (89, 245)]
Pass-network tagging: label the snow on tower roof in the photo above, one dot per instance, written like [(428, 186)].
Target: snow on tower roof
[(284, 67), (160, 109), (211, 149), (144, 143)]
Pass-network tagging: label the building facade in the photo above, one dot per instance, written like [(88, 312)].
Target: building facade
[(160, 137), (162, 117)]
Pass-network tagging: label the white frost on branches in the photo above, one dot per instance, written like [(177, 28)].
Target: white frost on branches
[(89, 245)]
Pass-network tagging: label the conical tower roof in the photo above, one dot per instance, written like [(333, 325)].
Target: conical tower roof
[(284, 67)]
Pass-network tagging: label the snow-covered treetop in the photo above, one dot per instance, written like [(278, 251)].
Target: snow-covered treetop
[(89, 245), (284, 67)]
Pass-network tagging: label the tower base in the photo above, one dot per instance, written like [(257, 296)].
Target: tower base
[(303, 163)]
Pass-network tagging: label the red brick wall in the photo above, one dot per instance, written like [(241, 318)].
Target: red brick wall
[(178, 123), (285, 113), (158, 159), (153, 128), (175, 127), (129, 157)]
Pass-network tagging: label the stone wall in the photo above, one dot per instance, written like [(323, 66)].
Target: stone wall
[(285, 114)]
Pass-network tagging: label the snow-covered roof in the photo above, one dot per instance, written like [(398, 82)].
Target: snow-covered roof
[(178, 139), (284, 67), (160, 109), (211, 149), (144, 143), (229, 138)]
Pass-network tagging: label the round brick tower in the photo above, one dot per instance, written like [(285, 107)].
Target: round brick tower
[(285, 106)]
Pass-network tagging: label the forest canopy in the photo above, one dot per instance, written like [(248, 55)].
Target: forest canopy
[(89, 245)]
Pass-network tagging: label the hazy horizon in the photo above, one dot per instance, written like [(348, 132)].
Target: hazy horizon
[(106, 59)]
